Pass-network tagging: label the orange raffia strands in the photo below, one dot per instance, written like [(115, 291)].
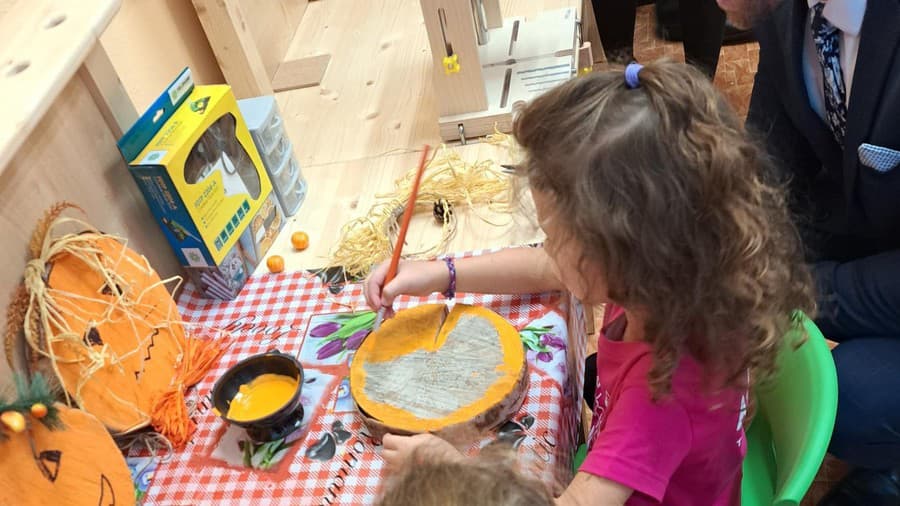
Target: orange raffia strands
[(169, 415)]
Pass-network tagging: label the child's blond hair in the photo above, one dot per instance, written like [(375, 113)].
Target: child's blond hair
[(485, 481)]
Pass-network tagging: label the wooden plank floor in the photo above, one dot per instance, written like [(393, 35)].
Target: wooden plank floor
[(737, 63)]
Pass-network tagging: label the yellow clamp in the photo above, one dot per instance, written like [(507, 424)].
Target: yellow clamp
[(585, 71), (451, 64)]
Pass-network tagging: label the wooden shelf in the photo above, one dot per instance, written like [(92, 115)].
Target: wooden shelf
[(63, 110), (42, 45)]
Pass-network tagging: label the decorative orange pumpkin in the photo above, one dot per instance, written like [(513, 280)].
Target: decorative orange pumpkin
[(99, 316), (77, 465), (118, 341)]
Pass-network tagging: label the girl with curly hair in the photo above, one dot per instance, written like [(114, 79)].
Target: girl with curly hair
[(656, 203)]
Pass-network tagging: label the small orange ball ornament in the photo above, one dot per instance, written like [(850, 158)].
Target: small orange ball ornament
[(275, 263), (13, 420), (38, 410), (300, 240)]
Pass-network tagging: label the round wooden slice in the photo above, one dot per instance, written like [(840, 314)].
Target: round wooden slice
[(142, 347), (77, 465), (454, 374)]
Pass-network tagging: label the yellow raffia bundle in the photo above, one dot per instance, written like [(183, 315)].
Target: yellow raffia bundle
[(99, 317), (448, 179)]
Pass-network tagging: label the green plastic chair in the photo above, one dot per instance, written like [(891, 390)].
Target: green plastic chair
[(789, 435)]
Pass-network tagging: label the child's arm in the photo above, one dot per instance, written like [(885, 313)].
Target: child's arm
[(516, 270), (587, 489), (397, 450)]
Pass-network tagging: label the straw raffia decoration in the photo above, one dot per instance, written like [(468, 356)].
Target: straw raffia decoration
[(448, 178), (44, 315)]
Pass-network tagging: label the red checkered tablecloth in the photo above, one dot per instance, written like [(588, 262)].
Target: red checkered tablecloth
[(332, 459)]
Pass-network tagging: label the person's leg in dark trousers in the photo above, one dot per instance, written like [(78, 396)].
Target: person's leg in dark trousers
[(615, 23), (703, 24), (867, 429), (859, 306)]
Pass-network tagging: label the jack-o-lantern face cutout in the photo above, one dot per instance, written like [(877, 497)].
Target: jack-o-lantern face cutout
[(97, 316), (77, 465), (119, 340)]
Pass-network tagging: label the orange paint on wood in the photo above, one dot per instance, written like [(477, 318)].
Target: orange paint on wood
[(79, 464), (141, 352), (462, 366)]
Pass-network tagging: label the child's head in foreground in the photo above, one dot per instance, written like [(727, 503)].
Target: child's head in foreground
[(653, 196), (464, 483)]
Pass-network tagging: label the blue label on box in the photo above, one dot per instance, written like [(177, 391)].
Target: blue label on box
[(169, 211), (133, 142)]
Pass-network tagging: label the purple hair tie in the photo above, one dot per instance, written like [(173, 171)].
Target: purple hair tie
[(631, 75)]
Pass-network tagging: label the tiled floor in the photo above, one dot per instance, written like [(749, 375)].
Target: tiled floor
[(737, 64)]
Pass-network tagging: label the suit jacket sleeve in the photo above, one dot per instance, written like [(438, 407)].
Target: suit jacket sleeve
[(859, 298)]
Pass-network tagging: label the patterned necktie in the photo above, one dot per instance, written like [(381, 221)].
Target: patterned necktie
[(827, 39)]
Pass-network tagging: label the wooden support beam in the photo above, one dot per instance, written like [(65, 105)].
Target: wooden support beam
[(589, 31), (300, 73), (272, 24), (493, 14), (225, 24), (106, 88), (450, 25), (585, 59)]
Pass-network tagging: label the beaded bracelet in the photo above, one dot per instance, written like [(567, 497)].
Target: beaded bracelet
[(451, 289)]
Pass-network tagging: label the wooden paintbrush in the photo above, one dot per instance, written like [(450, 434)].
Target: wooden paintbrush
[(404, 226)]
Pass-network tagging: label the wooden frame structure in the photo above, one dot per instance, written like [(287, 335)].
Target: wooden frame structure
[(250, 39), (485, 66)]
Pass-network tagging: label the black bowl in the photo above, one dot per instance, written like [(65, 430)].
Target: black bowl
[(280, 422)]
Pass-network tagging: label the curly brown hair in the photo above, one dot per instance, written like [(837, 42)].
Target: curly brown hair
[(663, 190)]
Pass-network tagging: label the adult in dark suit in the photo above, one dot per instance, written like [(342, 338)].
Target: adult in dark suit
[(827, 100)]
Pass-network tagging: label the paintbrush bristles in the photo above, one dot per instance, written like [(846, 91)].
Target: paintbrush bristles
[(379, 317)]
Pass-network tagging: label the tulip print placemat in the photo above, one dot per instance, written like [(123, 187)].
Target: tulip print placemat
[(331, 458)]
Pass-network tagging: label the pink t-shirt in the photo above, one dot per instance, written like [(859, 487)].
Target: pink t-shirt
[(684, 450)]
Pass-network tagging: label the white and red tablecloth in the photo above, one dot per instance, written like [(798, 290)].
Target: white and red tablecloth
[(332, 459)]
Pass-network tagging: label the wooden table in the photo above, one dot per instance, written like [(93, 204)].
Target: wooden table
[(341, 191), (360, 129), (377, 94)]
